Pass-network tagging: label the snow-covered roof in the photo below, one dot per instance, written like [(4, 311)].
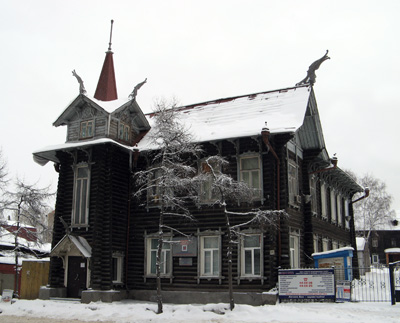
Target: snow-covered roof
[(283, 110), (332, 251), (42, 156), (64, 246), (392, 250), (7, 239)]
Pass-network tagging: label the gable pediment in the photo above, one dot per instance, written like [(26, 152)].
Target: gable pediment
[(80, 108)]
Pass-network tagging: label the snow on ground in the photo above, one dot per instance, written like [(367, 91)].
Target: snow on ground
[(134, 311)]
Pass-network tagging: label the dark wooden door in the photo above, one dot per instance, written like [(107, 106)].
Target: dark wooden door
[(77, 274)]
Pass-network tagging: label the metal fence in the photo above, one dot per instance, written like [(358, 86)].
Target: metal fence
[(373, 283)]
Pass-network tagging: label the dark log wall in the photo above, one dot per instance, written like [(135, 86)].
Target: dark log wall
[(145, 220), (109, 197)]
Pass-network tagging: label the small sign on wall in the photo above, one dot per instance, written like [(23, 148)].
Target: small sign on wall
[(184, 247)]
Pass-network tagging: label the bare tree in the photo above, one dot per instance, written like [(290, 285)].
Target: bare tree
[(3, 179), (225, 189), (28, 203), (169, 181), (374, 212)]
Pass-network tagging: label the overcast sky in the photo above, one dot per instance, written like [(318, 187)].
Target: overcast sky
[(203, 50)]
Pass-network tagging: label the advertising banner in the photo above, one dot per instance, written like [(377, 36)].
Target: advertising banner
[(307, 284)]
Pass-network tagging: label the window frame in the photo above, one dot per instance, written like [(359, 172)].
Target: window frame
[(294, 251), (83, 129), (293, 182), (242, 253), (125, 134), (313, 194), (258, 191), (166, 270), (324, 201), (333, 206), (117, 277), (202, 259), (84, 195)]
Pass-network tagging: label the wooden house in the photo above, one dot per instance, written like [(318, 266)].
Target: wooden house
[(103, 242)]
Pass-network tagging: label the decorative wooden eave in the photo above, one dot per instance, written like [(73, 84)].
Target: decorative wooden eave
[(140, 120), (73, 107)]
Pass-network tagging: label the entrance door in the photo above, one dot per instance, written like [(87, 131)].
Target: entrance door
[(77, 274)]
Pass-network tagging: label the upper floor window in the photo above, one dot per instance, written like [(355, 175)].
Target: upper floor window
[(80, 211), (250, 173), (324, 202), (347, 213), (124, 131), (333, 207), (339, 209), (87, 129), (293, 182), (374, 242), (207, 193), (313, 194), (316, 248), (325, 244), (153, 191), (151, 257), (210, 256), (251, 255)]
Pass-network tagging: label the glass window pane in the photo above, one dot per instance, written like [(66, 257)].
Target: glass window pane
[(207, 262), (83, 202), (90, 129), (255, 179), (247, 262), (257, 262), (246, 178), (77, 202), (215, 262), (252, 241), (250, 163), (83, 172), (210, 242), (154, 243), (153, 262), (167, 262)]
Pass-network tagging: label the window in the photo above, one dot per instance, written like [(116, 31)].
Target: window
[(251, 255), (166, 257), (339, 210), (293, 179), (117, 265), (335, 245), (81, 196), (87, 129), (375, 258), (393, 242), (374, 242), (124, 132), (294, 248), (313, 194), (207, 193), (333, 207), (324, 202), (325, 244), (316, 248), (250, 173), (347, 213), (153, 192), (210, 256)]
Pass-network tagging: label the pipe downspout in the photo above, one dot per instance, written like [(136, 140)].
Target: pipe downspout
[(265, 134), (366, 194)]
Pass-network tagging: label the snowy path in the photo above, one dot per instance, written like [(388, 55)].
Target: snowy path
[(39, 311)]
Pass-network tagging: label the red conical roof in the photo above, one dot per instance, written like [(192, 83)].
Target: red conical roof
[(107, 87)]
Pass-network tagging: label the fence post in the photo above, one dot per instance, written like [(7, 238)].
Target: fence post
[(392, 287)]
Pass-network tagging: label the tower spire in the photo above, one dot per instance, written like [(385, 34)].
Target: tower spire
[(107, 87)]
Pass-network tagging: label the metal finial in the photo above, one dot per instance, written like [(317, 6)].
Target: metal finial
[(109, 44)]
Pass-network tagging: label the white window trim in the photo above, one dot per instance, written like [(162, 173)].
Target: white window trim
[(293, 183), (333, 206), (324, 201), (294, 253), (242, 257), (325, 244), (339, 207), (258, 194), (120, 261), (148, 250), (347, 213), (84, 223)]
